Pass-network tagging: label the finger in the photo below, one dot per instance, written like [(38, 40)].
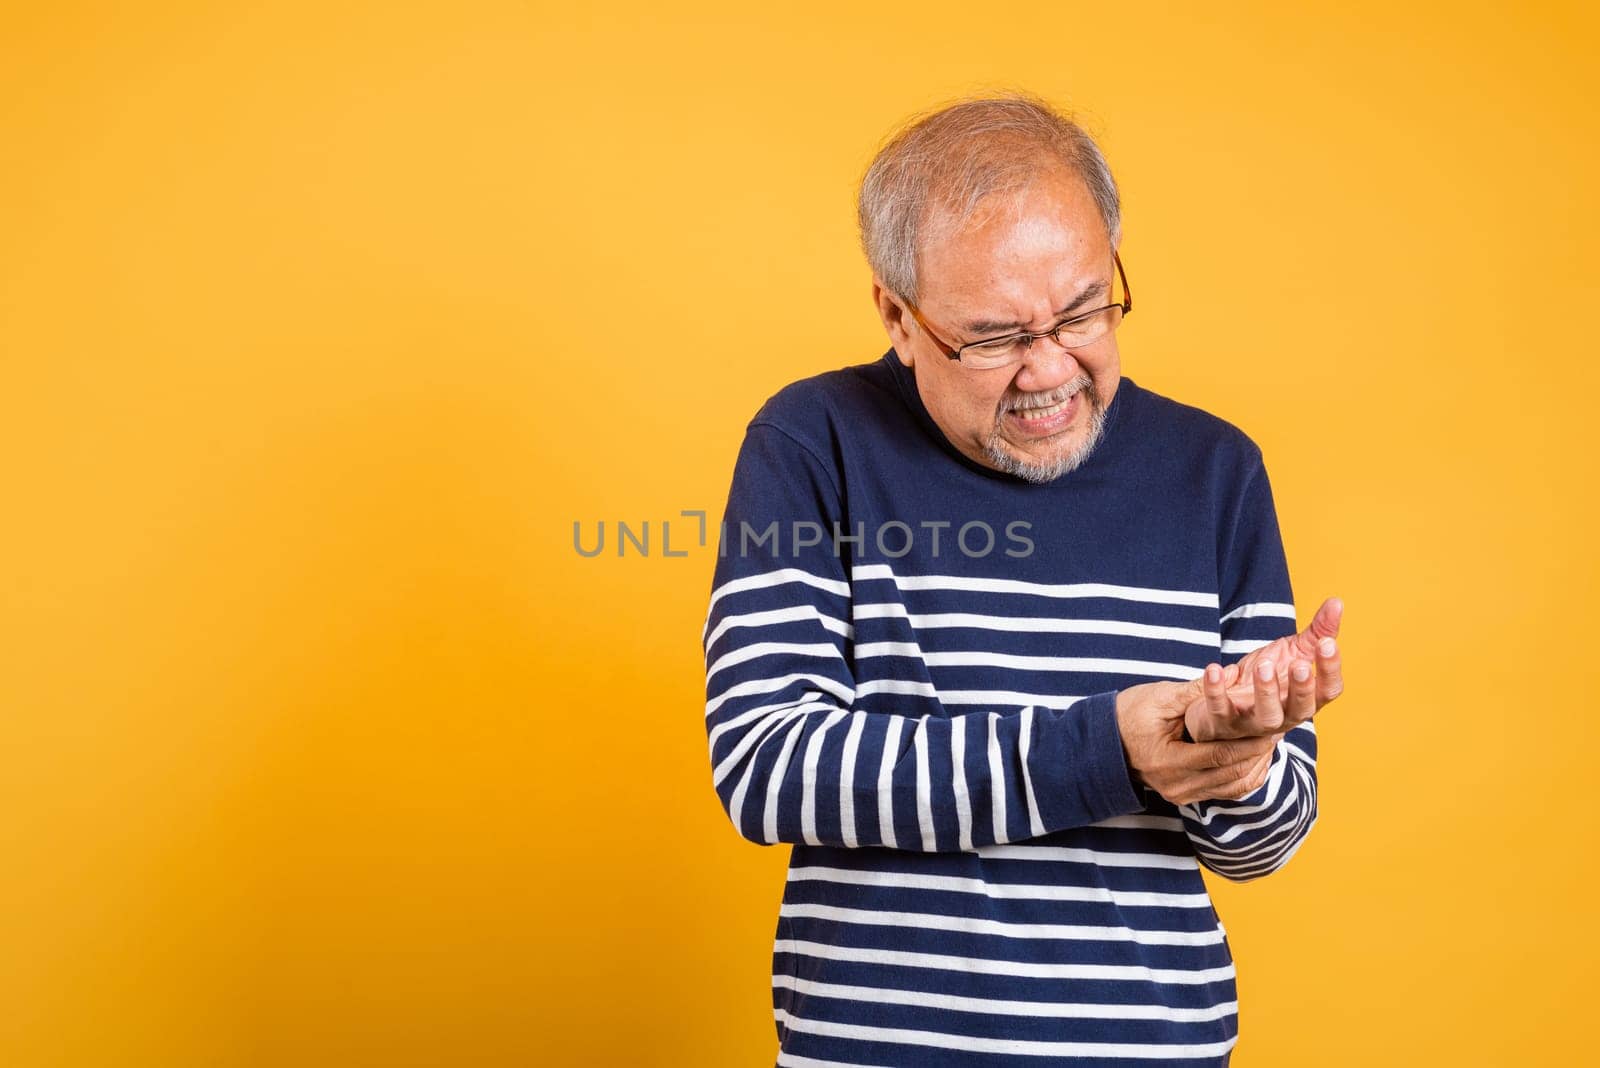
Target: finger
[(1245, 782), (1223, 753), (1251, 780), (1330, 672), (1229, 783), (1205, 725), (1302, 694), (1183, 695), (1217, 703), (1268, 711)]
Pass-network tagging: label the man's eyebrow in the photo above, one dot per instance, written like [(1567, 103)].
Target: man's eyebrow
[(990, 327)]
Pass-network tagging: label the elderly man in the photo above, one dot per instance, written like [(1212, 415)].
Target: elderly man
[(1004, 644)]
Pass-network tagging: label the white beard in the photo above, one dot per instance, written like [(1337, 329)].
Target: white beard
[(1049, 472)]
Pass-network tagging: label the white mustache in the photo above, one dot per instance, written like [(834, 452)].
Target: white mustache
[(1055, 397)]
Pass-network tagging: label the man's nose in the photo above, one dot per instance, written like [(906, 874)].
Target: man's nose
[(1046, 365)]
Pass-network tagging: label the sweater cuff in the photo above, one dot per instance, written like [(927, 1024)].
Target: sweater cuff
[(1086, 766)]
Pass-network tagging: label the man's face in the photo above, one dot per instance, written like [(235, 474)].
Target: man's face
[(1025, 261)]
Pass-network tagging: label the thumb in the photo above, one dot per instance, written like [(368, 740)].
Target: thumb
[(1325, 624)]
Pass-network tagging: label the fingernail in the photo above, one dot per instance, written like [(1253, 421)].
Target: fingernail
[(1328, 648), (1302, 671), (1213, 673), (1264, 671)]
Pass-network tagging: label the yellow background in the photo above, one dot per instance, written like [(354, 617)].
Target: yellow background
[(321, 324)]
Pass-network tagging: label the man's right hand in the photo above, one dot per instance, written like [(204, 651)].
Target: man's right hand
[(1150, 717)]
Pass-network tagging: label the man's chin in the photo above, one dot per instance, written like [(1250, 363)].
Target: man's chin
[(1045, 458), (1043, 451)]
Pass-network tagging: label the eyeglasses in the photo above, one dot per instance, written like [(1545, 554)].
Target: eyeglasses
[(1082, 329)]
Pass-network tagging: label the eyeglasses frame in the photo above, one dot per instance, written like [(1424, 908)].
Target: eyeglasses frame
[(954, 352)]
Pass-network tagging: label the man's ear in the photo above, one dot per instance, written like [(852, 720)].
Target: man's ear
[(894, 317)]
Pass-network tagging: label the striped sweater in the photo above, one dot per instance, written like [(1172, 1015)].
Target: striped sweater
[(911, 672)]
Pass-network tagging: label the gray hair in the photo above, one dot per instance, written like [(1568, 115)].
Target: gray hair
[(930, 176)]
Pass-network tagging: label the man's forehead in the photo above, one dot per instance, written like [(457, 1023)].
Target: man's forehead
[(1044, 242)]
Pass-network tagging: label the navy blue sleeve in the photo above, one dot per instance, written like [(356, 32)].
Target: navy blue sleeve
[(792, 757), (1257, 834)]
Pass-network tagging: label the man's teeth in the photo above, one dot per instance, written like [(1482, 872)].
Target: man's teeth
[(1042, 413)]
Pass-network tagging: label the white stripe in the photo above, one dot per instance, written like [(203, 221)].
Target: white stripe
[(988, 966), (779, 577), (971, 925), (1035, 823), (794, 1060), (891, 746), (1299, 842), (958, 780), (1026, 1047), (1270, 859), (1033, 624), (997, 780), (1011, 698), (1261, 609), (736, 802), (753, 686), (898, 686), (714, 735), (1290, 831), (1293, 744), (847, 779), (1077, 855), (756, 650), (984, 658), (784, 713), (864, 572), (960, 884), (1275, 819), (1003, 698), (1071, 1010), (780, 767), (1274, 824), (776, 616), (1253, 851), (919, 742), (808, 778)]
